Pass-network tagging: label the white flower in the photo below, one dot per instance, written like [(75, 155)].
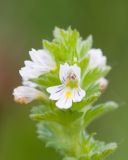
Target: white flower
[(103, 83), (69, 91), (24, 94), (96, 59), (41, 63), (29, 84)]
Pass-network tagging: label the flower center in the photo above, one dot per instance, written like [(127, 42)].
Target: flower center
[(68, 94), (72, 80)]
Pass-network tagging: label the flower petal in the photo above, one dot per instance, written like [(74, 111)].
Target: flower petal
[(64, 103), (29, 73), (63, 72), (29, 84), (41, 63), (78, 94), (96, 58), (76, 70), (42, 57), (56, 92)]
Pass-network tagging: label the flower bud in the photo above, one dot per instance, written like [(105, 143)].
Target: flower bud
[(103, 83), (25, 95)]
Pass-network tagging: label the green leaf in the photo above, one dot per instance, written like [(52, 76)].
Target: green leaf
[(95, 112), (58, 137), (57, 50), (60, 117), (93, 149), (67, 37), (83, 64), (93, 89), (85, 46), (68, 46), (48, 116), (85, 102), (48, 79), (53, 135), (92, 94), (103, 150), (93, 75), (40, 109), (63, 46)]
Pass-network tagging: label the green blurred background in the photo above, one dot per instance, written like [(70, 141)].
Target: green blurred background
[(23, 24)]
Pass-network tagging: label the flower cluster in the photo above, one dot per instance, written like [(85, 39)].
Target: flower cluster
[(41, 63), (67, 76), (68, 91)]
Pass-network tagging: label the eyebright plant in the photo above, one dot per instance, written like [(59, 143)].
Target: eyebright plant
[(67, 76)]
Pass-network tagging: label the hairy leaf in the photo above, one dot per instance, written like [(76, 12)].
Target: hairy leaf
[(93, 75), (95, 112)]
